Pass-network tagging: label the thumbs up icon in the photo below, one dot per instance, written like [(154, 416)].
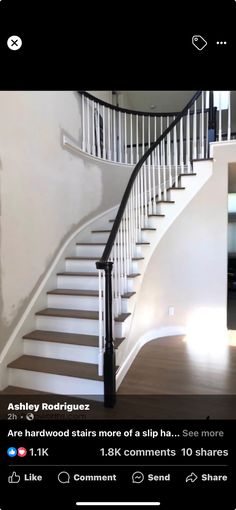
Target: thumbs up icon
[(13, 478)]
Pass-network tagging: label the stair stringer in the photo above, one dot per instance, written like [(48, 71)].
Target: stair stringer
[(182, 198)]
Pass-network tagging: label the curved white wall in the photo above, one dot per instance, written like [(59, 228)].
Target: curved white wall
[(46, 191), (188, 270)]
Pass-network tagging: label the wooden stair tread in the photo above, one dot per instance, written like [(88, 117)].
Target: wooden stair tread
[(77, 314), (16, 390), (177, 187), (81, 258), (67, 338), (100, 231), (158, 215), (82, 292), (57, 367), (182, 175), (90, 244), (74, 292), (165, 202), (106, 231), (77, 273), (97, 258), (90, 273)]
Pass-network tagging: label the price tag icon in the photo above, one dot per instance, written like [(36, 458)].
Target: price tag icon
[(199, 42)]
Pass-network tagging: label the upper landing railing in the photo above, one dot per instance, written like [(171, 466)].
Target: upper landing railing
[(123, 136)]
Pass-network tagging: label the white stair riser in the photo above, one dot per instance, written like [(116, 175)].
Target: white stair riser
[(163, 208), (67, 352), (99, 237), (81, 265), (156, 221), (71, 325), (176, 195), (54, 383), (88, 250), (73, 302), (77, 282), (86, 283), (79, 302), (89, 265)]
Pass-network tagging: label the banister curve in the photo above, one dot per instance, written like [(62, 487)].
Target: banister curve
[(126, 110)]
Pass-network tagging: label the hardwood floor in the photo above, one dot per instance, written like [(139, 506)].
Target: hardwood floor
[(169, 366), (168, 380)]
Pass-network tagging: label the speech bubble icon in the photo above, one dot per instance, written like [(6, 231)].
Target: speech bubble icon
[(63, 477), (137, 477)]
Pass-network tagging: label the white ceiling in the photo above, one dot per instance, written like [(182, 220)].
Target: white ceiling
[(165, 101)]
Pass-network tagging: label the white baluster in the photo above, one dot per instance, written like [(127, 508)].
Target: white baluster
[(98, 132), (126, 241), (142, 195), (139, 203), (122, 254), (181, 146), (155, 135), (220, 119), (158, 173), (188, 162), (88, 125), (149, 186), (145, 193), (131, 140), (229, 118), (83, 125), (119, 269), (149, 132), (109, 129), (116, 307), (100, 315), (125, 139), (119, 120), (169, 155), (175, 157), (195, 131), (114, 136), (143, 148), (153, 186), (137, 140), (93, 131), (104, 133), (202, 127)]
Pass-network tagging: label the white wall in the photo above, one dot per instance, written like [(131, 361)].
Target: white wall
[(188, 269), (46, 191)]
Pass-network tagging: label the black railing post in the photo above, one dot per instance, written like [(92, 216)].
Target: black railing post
[(211, 121), (109, 353)]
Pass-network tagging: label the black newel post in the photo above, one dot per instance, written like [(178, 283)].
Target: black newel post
[(109, 354), (211, 121)]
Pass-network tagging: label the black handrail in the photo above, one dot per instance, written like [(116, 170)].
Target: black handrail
[(134, 174), (126, 110), (106, 265)]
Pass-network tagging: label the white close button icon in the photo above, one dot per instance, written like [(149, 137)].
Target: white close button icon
[(14, 42)]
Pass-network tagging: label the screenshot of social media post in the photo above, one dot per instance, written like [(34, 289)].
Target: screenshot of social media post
[(118, 297)]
